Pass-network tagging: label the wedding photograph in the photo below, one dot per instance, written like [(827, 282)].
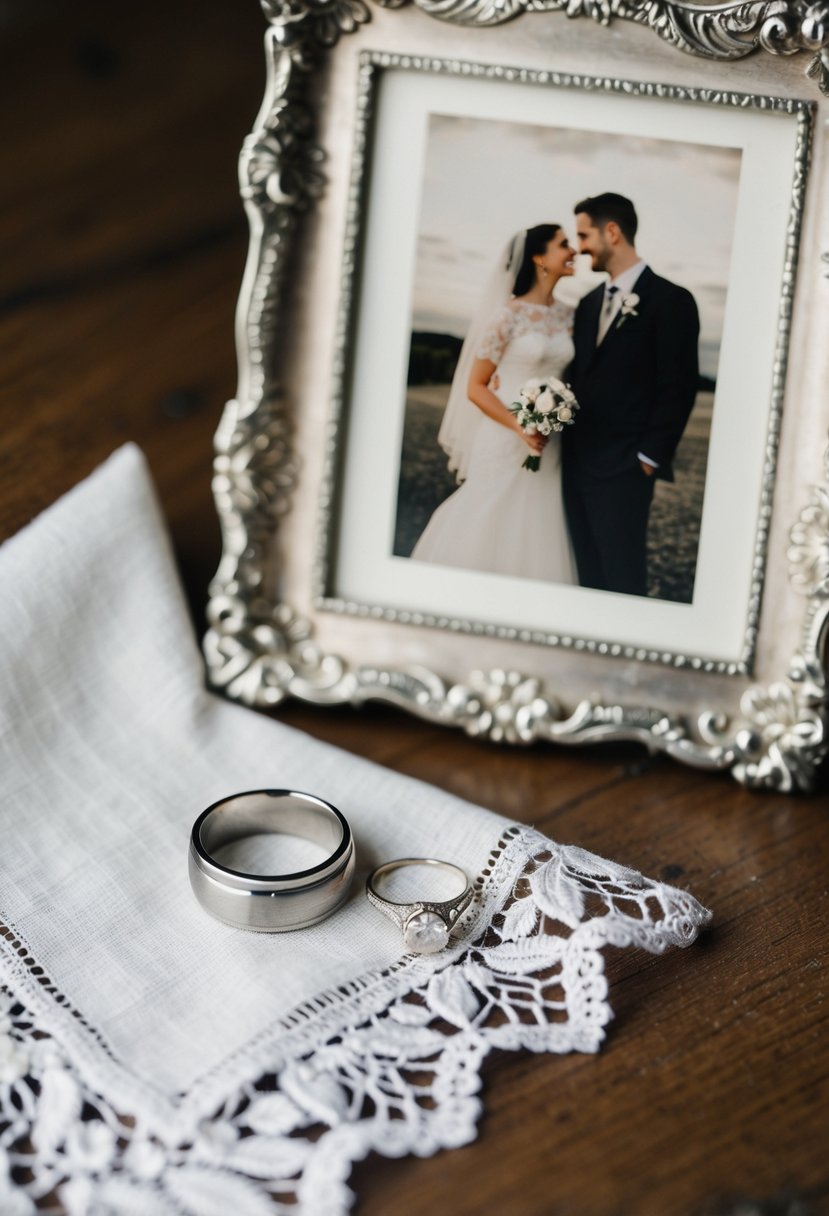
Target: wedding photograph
[(560, 417), (567, 317)]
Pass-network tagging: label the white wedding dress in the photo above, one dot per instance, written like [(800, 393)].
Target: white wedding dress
[(504, 518)]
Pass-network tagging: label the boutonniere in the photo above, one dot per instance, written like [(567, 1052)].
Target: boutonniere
[(627, 309)]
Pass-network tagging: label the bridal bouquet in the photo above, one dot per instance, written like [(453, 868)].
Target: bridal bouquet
[(544, 406)]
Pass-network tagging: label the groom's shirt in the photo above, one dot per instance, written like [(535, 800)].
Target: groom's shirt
[(614, 293)]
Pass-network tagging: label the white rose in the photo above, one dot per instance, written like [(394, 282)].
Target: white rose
[(531, 390), (565, 414), (544, 402)]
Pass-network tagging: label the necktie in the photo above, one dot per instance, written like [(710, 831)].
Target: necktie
[(607, 312)]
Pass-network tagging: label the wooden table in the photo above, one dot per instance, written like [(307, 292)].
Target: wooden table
[(123, 246)]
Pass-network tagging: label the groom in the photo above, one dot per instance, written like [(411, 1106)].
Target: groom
[(635, 375)]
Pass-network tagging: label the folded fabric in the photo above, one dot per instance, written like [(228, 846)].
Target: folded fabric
[(154, 1060)]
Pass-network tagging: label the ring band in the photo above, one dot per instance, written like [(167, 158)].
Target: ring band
[(427, 924), (278, 902)]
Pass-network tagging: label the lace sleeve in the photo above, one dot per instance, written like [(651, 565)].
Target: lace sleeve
[(496, 336)]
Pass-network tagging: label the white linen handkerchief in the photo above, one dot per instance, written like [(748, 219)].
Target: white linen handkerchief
[(121, 993)]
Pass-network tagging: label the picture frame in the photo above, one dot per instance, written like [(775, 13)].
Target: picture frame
[(311, 599)]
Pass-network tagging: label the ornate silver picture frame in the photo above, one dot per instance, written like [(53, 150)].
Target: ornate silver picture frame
[(296, 447)]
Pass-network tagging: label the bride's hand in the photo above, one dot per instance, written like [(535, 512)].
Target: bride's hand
[(534, 442)]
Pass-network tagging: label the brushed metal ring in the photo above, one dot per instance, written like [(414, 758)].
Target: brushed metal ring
[(272, 903)]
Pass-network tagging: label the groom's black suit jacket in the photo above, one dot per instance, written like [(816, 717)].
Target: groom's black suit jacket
[(636, 390)]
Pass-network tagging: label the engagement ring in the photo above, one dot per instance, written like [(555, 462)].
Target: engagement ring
[(426, 924), (271, 903)]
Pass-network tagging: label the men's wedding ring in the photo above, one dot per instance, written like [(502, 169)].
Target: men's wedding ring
[(271, 903), (426, 924)]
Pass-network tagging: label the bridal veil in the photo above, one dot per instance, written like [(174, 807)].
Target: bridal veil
[(462, 417)]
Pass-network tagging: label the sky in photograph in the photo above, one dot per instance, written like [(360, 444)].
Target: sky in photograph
[(485, 180)]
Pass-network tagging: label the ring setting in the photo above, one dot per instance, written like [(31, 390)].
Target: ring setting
[(426, 924)]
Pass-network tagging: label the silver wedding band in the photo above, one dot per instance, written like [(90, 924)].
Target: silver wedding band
[(426, 924), (272, 903)]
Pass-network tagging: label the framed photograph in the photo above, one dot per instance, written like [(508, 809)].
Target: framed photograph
[(529, 434)]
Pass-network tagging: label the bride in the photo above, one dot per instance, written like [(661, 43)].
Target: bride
[(504, 518)]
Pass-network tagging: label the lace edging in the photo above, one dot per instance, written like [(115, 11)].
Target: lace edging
[(390, 1065)]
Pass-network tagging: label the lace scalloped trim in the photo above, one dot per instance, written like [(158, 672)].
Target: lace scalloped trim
[(390, 1063)]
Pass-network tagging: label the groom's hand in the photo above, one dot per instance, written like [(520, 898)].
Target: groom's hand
[(647, 469)]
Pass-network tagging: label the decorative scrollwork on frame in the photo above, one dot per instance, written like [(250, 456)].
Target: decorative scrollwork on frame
[(283, 169), (717, 31), (504, 706), (259, 652), (305, 27), (809, 549)]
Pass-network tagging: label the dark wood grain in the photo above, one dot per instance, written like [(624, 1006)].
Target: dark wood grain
[(123, 246)]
